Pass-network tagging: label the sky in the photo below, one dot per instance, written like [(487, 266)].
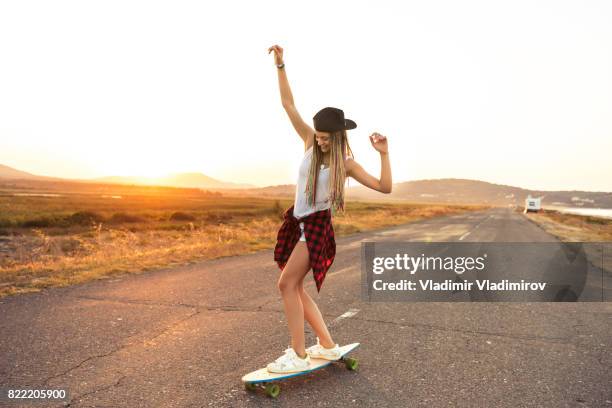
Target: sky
[(516, 93)]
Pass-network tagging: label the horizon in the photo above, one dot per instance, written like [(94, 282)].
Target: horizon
[(457, 89), (293, 184)]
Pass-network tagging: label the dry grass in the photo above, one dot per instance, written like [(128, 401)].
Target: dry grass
[(42, 260), (65, 254), (573, 227), (367, 217)]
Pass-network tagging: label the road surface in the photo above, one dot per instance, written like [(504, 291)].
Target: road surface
[(183, 337)]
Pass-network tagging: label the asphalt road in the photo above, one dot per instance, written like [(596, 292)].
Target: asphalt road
[(183, 337)]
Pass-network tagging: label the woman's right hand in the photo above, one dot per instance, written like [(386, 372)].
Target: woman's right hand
[(278, 54)]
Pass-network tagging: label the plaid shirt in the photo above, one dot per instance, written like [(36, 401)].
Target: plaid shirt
[(320, 241)]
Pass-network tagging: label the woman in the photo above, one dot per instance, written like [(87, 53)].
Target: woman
[(306, 238)]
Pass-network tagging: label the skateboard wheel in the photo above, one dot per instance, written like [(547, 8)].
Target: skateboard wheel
[(351, 363), (272, 390), (250, 386)]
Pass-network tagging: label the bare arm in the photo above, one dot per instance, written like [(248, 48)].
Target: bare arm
[(301, 127), (384, 184)]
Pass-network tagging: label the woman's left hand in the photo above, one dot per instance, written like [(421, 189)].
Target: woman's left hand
[(379, 142)]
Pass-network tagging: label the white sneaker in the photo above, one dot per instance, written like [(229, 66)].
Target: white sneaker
[(289, 363), (318, 351)]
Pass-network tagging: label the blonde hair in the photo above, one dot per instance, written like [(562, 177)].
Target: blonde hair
[(339, 150)]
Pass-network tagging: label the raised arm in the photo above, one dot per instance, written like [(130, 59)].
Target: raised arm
[(306, 132), (354, 169)]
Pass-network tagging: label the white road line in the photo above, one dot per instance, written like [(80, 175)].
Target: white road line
[(352, 245), (332, 274), (343, 270), (475, 228), (346, 315), (464, 235)]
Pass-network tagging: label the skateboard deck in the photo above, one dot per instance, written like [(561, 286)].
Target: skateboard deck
[(262, 378)]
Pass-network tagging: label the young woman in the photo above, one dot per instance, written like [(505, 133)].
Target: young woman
[(306, 238)]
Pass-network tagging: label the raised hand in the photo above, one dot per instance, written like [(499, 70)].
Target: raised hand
[(379, 142), (278, 54)]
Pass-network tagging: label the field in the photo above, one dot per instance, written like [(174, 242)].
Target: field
[(66, 234), (573, 227)]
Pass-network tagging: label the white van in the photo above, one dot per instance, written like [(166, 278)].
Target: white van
[(532, 204)]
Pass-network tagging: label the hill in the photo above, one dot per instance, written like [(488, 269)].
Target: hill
[(181, 180)]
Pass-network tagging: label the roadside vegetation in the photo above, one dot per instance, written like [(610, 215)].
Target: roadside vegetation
[(573, 227), (69, 238)]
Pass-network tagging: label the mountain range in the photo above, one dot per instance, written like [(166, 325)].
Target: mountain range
[(186, 180), (448, 190)]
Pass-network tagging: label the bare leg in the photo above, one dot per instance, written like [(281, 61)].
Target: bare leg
[(293, 274), (315, 319)]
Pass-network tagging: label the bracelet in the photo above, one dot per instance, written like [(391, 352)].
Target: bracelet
[(281, 65)]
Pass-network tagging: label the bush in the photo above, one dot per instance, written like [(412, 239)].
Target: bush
[(596, 220), (39, 222), (119, 218), (85, 218), (181, 216)]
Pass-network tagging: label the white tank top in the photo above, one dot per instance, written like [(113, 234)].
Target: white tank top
[(301, 207)]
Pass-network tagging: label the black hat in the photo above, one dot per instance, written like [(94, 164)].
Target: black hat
[(332, 120)]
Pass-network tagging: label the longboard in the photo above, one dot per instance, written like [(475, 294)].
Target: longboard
[(262, 378)]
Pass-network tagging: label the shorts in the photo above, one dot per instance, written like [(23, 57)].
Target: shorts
[(302, 237)]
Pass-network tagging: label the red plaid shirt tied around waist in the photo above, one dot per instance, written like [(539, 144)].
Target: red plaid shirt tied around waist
[(320, 241)]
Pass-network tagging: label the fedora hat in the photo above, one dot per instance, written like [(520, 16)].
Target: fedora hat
[(331, 120)]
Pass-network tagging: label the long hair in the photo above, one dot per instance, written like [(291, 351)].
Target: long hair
[(339, 150)]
